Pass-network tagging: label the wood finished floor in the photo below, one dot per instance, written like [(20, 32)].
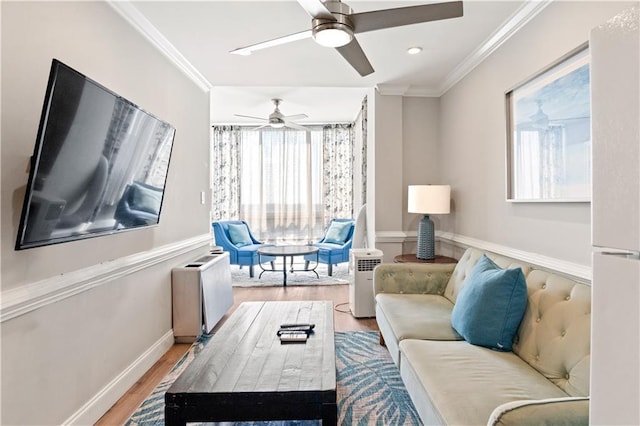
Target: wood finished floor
[(343, 321)]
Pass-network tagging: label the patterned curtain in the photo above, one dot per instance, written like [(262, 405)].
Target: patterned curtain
[(225, 172), (337, 146), (363, 129)]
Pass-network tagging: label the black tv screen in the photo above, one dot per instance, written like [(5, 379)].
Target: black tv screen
[(99, 165)]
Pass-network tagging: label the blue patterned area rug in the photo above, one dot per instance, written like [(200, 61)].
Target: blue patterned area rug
[(370, 390)]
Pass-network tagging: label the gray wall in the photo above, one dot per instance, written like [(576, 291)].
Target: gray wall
[(60, 355), (407, 152), (469, 141), (473, 140)]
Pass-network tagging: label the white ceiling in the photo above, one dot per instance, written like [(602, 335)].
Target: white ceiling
[(309, 78)]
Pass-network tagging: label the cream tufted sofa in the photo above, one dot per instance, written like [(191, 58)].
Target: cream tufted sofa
[(545, 380)]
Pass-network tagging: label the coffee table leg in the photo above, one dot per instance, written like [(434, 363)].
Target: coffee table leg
[(172, 417), (330, 414)]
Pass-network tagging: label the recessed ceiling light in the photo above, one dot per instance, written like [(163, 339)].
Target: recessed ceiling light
[(414, 50)]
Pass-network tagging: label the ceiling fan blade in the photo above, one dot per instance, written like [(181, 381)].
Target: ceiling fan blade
[(247, 50), (387, 18), (259, 127), (354, 54), (295, 117), (295, 126), (316, 9), (251, 117)]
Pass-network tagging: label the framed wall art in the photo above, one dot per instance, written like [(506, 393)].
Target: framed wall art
[(549, 133)]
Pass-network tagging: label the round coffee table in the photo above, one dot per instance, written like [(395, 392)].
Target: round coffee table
[(284, 251)]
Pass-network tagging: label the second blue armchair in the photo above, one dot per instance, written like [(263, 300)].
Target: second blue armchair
[(335, 245)]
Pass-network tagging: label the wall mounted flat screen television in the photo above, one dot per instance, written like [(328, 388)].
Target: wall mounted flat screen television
[(99, 165)]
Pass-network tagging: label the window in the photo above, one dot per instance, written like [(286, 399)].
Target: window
[(285, 183)]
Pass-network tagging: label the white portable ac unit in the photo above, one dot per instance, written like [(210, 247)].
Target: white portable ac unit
[(362, 261)]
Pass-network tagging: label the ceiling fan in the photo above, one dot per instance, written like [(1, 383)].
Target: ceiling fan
[(334, 24), (277, 120)]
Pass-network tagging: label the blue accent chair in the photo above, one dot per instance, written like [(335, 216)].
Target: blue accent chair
[(244, 256), (332, 253)]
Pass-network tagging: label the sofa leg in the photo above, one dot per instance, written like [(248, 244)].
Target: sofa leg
[(273, 265), (250, 271), (381, 339), (306, 264), (330, 271)]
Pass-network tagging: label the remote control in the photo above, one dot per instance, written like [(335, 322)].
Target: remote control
[(292, 331), (293, 337), (297, 325), (305, 329)]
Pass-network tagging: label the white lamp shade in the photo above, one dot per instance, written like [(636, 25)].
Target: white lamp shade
[(429, 199)]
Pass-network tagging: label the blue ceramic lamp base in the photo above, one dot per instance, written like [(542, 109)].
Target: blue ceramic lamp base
[(426, 240)]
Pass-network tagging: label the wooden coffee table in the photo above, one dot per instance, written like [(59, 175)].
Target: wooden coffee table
[(244, 373)]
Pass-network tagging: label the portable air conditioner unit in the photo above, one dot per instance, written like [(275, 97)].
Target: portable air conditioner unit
[(362, 262)]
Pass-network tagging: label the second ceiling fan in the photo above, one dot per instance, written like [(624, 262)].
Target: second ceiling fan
[(277, 119), (334, 24)]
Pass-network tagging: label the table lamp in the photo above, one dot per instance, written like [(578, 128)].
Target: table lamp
[(428, 199)]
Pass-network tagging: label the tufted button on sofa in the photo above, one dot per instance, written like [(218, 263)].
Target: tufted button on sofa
[(543, 380)]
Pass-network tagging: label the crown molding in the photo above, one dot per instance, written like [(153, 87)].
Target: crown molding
[(391, 89), (137, 20), (511, 26)]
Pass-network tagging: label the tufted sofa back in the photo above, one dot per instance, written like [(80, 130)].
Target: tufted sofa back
[(555, 333), (465, 266)]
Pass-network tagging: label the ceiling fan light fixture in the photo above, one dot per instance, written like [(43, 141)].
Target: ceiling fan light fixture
[(332, 34), (277, 125)]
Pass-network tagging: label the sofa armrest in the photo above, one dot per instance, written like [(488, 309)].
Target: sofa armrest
[(412, 278), (555, 411)]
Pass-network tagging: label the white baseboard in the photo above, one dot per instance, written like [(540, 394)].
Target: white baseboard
[(95, 408)]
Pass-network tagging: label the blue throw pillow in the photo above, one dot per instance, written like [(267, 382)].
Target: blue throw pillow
[(239, 235), (490, 306), (337, 232)]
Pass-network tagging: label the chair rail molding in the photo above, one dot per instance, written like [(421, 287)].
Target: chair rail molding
[(391, 237), (576, 271), (21, 300)]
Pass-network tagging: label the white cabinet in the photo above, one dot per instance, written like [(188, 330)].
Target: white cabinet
[(202, 294)]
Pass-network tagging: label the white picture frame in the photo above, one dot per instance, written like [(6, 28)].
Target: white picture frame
[(549, 133)]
